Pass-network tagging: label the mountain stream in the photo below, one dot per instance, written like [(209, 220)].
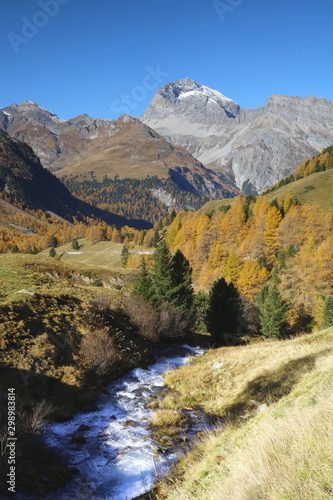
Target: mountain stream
[(118, 458)]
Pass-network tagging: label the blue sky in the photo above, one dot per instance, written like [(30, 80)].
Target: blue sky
[(106, 57)]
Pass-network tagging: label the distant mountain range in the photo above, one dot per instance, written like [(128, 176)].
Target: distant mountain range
[(191, 135), (25, 183), (88, 149), (252, 148)]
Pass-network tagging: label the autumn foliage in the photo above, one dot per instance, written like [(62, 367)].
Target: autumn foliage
[(257, 243)]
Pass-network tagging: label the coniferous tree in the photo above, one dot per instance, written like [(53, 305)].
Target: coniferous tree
[(124, 256), (143, 284), (223, 311), (261, 297), (15, 249), (155, 239), (52, 252), (75, 244), (327, 316), (273, 315), (53, 241), (161, 273), (181, 291)]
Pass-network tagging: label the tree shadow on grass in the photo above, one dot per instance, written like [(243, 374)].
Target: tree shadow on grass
[(271, 385)]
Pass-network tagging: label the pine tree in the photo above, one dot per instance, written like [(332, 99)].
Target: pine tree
[(273, 315), (53, 241), (181, 291), (75, 244), (327, 316), (223, 310), (143, 284), (124, 256), (161, 273), (52, 252), (155, 239), (261, 297), (200, 304)]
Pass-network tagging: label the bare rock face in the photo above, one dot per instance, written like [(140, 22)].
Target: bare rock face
[(252, 148)]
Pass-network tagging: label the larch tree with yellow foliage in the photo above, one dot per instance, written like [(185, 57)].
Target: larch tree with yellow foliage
[(252, 278)]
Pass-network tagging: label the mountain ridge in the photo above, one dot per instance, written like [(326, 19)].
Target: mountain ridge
[(253, 147)]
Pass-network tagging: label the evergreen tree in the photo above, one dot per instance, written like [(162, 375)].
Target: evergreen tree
[(200, 304), (181, 291), (124, 256), (161, 273), (53, 241), (327, 316), (223, 310), (155, 239), (52, 252), (75, 244), (143, 284), (15, 249), (261, 297), (273, 315)]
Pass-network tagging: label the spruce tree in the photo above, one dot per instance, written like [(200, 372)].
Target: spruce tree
[(53, 241), (181, 291), (223, 310), (327, 316), (143, 284), (161, 274), (75, 244), (124, 256), (15, 249), (261, 297), (273, 315), (52, 252)]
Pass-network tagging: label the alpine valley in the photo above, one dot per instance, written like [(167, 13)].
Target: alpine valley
[(191, 145), (128, 247)]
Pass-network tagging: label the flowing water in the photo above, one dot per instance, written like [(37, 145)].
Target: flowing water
[(119, 460)]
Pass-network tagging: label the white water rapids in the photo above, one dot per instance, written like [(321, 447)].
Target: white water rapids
[(117, 460)]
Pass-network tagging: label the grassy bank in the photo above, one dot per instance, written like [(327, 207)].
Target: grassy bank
[(64, 333), (276, 399)]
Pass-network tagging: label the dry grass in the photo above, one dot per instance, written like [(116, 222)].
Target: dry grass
[(283, 452)]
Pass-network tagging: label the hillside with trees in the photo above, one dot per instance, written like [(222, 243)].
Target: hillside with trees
[(278, 255)]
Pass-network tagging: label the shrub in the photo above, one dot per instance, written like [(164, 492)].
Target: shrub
[(98, 352)]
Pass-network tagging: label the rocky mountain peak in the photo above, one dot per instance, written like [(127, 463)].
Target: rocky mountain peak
[(187, 100)]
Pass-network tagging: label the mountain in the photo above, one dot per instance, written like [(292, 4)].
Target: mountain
[(86, 148), (252, 148), (25, 183)]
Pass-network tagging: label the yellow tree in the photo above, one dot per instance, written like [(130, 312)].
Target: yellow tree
[(252, 278), (232, 268), (273, 219), (253, 244), (299, 285)]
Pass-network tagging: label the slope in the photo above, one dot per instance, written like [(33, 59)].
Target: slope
[(26, 184), (273, 401)]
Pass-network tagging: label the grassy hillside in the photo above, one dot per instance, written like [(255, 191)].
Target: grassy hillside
[(102, 254), (276, 402), (315, 188)]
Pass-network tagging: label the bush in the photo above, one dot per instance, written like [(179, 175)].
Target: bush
[(166, 321), (144, 317), (98, 352), (174, 322)]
